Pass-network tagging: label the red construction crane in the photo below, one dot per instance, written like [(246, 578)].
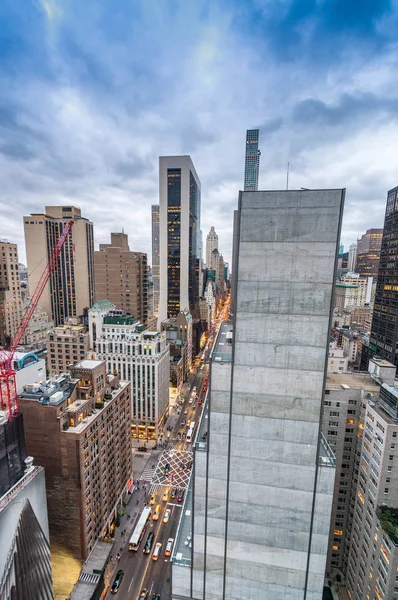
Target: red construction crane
[(8, 385)]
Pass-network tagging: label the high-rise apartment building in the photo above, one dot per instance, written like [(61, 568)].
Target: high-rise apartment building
[(78, 427), (143, 358), (38, 328), (121, 276), (66, 345), (25, 564), (252, 160), (211, 244), (373, 556), (70, 288), (368, 253), (352, 258), (263, 479), (11, 305), (179, 227), (155, 258)]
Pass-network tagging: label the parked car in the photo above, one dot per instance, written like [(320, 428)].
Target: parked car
[(182, 423), (142, 449), (166, 516), (117, 582)]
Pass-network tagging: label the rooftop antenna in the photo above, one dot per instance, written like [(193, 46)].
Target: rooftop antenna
[(287, 176)]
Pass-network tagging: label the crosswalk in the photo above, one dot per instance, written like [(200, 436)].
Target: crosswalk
[(148, 473)]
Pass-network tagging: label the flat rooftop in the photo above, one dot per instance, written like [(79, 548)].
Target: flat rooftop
[(88, 364), (91, 571), (222, 350), (356, 381)]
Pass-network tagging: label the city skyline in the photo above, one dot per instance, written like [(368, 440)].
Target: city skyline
[(77, 129)]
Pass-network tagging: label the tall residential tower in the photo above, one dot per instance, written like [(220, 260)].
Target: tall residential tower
[(70, 288), (11, 305), (155, 258), (252, 160), (179, 227)]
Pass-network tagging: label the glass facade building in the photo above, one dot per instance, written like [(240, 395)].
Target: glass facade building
[(173, 241), (252, 160)]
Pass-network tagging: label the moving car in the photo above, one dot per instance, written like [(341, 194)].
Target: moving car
[(167, 469), (190, 400), (182, 423), (156, 513), (180, 496), (165, 497), (186, 411), (156, 597), (174, 492), (144, 594), (149, 543), (169, 547), (142, 449), (153, 499), (156, 552), (194, 406), (117, 583), (166, 516)]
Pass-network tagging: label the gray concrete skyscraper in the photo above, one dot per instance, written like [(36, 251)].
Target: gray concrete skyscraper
[(256, 518), (252, 160), (155, 257), (211, 244)]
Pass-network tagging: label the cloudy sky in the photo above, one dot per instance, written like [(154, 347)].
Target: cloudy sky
[(93, 91)]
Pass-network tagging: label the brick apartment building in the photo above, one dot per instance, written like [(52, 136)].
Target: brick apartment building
[(77, 426)]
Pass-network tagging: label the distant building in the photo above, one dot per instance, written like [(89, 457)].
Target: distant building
[(121, 276), (252, 161), (155, 258), (179, 225), (38, 327), (211, 244), (337, 361), (66, 345), (350, 341), (25, 563), (86, 415), (11, 305), (180, 329), (143, 358), (352, 258), (70, 288), (368, 253)]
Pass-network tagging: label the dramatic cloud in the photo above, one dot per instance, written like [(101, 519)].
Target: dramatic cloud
[(92, 93)]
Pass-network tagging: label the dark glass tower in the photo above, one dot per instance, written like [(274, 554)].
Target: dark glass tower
[(384, 334)]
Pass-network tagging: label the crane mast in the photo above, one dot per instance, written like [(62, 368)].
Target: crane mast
[(8, 385)]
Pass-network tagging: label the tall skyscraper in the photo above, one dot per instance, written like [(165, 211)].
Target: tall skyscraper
[(121, 276), (155, 258), (211, 244), (352, 257), (252, 160), (368, 253), (11, 305), (70, 288), (263, 480), (384, 334), (179, 226)]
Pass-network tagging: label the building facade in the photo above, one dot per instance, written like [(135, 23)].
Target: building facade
[(86, 415), (264, 475), (252, 161), (70, 288), (155, 258), (179, 227), (368, 253), (142, 358), (38, 327), (352, 258), (121, 276), (11, 305), (211, 244), (66, 345)]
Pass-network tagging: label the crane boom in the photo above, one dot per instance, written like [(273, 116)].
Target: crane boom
[(8, 389)]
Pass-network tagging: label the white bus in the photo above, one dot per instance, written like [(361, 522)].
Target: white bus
[(139, 530), (190, 432)]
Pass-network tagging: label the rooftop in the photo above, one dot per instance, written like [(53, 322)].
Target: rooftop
[(103, 305), (53, 392), (222, 350), (346, 285), (356, 381), (126, 320), (88, 364), (91, 571)]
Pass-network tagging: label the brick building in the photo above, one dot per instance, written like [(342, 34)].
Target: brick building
[(67, 345), (78, 427)]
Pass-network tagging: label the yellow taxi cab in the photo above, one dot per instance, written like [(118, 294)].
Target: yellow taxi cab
[(152, 501), (179, 449), (156, 552), (189, 423), (165, 497), (156, 513)]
